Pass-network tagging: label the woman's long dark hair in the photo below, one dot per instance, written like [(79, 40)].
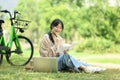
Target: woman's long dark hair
[(54, 24)]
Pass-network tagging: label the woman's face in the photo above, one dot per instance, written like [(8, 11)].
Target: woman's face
[(57, 29)]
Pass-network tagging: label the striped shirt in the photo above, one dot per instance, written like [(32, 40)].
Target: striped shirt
[(48, 49)]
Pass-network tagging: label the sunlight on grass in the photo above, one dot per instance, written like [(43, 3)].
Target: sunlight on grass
[(8, 72), (100, 58)]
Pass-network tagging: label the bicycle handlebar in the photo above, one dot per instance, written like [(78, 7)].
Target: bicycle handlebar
[(15, 12), (11, 18), (5, 11)]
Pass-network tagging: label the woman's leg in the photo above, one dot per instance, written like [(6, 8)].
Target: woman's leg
[(65, 63), (78, 64)]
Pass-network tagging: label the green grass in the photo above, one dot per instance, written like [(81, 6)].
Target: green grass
[(8, 72), (97, 58)]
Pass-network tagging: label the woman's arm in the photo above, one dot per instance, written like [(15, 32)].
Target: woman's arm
[(43, 48), (47, 49)]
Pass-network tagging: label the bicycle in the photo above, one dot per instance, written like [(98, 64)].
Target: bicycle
[(18, 50)]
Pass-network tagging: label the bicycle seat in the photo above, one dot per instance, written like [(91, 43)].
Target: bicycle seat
[(1, 31), (1, 21)]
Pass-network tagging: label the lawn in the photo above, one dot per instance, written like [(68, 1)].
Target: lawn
[(98, 58), (8, 72)]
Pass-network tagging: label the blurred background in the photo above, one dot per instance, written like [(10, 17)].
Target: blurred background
[(93, 24)]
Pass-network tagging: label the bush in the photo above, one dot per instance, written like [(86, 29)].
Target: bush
[(96, 45)]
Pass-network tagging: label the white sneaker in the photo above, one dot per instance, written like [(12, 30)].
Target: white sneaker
[(91, 69), (99, 69)]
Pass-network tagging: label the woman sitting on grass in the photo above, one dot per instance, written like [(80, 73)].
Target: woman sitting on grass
[(52, 41)]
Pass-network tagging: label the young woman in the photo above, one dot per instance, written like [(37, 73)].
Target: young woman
[(52, 41)]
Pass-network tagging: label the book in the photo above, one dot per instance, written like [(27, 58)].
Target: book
[(65, 46)]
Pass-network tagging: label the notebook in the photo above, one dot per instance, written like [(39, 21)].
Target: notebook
[(45, 64)]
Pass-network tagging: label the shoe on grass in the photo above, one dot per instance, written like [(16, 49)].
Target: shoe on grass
[(92, 69)]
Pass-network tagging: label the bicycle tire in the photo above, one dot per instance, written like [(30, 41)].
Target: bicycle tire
[(1, 58), (21, 59)]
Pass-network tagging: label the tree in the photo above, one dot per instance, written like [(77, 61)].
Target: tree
[(96, 19)]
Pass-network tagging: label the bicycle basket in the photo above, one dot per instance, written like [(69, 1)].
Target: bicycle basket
[(21, 24)]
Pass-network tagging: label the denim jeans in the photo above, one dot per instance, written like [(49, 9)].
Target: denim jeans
[(75, 62)]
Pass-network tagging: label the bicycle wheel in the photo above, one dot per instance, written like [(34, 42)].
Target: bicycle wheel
[(23, 58)]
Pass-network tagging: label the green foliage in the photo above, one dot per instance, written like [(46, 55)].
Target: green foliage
[(98, 19), (95, 45)]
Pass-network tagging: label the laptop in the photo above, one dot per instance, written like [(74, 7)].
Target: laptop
[(45, 64)]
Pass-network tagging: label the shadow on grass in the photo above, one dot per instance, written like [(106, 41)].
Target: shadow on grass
[(8, 72)]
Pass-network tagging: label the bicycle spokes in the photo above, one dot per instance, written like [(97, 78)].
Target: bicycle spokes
[(24, 57)]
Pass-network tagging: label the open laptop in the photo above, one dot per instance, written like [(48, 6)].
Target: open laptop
[(45, 64)]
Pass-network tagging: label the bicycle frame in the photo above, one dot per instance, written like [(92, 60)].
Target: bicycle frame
[(13, 38)]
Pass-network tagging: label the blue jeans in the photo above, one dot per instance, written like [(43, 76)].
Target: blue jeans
[(75, 62), (78, 63)]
